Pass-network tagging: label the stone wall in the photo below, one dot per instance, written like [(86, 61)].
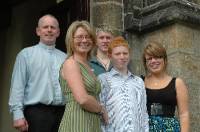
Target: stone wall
[(108, 14)]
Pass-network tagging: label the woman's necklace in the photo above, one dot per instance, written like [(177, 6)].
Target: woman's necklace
[(159, 82), (104, 62)]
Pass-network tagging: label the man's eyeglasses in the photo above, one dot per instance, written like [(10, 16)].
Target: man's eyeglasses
[(81, 37)]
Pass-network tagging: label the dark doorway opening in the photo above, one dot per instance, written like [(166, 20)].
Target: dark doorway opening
[(66, 12)]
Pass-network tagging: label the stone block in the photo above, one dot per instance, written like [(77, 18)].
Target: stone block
[(106, 15), (107, 1)]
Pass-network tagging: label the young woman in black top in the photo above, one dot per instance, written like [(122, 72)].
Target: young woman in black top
[(164, 93)]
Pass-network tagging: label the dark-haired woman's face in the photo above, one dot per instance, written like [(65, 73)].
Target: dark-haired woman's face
[(155, 64)]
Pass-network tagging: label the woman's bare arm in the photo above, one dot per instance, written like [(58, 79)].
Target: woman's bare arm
[(182, 100), (72, 74)]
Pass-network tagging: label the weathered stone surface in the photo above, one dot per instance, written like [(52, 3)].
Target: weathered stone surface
[(195, 1), (106, 15), (107, 1), (163, 13), (131, 4), (136, 43), (150, 2), (185, 62), (188, 68)]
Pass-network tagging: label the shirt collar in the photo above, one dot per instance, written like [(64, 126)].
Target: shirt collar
[(114, 72), (94, 59), (48, 47)]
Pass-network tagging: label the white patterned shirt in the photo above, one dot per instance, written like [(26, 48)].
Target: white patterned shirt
[(124, 98)]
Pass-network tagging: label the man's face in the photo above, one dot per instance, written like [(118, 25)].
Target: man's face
[(120, 57), (48, 30), (103, 40)]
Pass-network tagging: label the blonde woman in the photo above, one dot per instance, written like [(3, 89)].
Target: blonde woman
[(80, 86)]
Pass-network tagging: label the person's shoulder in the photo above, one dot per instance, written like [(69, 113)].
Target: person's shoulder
[(70, 63), (103, 75), (61, 53), (93, 58), (26, 50), (29, 48), (138, 79), (181, 86), (179, 81), (142, 76)]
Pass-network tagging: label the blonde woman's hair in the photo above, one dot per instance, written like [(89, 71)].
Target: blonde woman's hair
[(69, 39)]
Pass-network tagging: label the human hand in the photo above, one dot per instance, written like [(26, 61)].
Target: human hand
[(21, 125), (104, 115)]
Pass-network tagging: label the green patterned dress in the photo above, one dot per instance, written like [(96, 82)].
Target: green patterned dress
[(75, 118)]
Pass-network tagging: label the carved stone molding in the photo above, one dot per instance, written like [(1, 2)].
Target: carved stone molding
[(161, 14)]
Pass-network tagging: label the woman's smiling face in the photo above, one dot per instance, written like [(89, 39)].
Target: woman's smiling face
[(82, 41), (155, 64)]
